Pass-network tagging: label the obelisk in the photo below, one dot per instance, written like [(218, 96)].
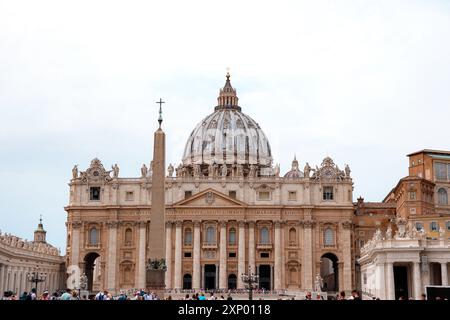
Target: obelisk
[(156, 268)]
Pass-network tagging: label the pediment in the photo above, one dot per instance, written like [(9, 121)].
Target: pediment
[(210, 198)]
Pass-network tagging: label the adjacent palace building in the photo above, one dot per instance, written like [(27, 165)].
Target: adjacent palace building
[(229, 208)]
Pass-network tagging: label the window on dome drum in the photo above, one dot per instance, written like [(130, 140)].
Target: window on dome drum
[(187, 254), (419, 226), (412, 195), (187, 194), (232, 236), (442, 197), (210, 235), (434, 226), (232, 194), (263, 195), (328, 193), (232, 255), (94, 193), (93, 236), (129, 196), (329, 237), (187, 237), (292, 195), (440, 171), (264, 236)]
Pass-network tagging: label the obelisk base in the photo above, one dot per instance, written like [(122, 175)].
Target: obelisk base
[(156, 282)]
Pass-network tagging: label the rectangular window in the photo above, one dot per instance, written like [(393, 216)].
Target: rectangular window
[(440, 171), (447, 225), (434, 226), (232, 194), (94, 193), (187, 254), (328, 193), (361, 243), (232, 255), (264, 255), (412, 195), (129, 196), (292, 195), (187, 194), (419, 226), (263, 195)]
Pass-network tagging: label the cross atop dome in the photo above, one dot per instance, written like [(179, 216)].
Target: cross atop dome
[(227, 97)]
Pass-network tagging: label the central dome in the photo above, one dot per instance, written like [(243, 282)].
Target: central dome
[(227, 136)]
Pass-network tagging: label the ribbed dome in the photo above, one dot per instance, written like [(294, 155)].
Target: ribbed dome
[(227, 136)]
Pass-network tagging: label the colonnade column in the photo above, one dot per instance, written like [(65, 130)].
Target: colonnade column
[(307, 255), (251, 246), (177, 268), (347, 255), (75, 245), (241, 255), (2, 278), (417, 281), (390, 281), (278, 256), (142, 255), (168, 275), (196, 258), (223, 256), (444, 274), (112, 256)]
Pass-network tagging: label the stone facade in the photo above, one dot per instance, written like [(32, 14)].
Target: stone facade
[(227, 207), (20, 257)]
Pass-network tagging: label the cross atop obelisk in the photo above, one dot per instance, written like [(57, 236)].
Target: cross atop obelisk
[(160, 102)]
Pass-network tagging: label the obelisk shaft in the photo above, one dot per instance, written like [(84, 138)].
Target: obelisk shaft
[(157, 247)]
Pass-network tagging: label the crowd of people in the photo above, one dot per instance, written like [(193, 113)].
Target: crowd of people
[(71, 294)]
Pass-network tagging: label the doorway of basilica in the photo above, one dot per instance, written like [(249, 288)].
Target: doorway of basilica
[(210, 276), (264, 277)]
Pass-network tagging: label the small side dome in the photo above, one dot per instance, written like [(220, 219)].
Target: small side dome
[(295, 172)]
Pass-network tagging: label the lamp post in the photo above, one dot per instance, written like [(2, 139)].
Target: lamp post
[(36, 277), (251, 280)]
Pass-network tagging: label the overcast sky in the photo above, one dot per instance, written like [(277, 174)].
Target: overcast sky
[(365, 82)]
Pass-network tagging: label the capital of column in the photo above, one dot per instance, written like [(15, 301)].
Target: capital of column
[(179, 223), (308, 224), (347, 224), (197, 223), (241, 223), (112, 224), (142, 224), (251, 224), (278, 223), (76, 224), (223, 223), (169, 223)]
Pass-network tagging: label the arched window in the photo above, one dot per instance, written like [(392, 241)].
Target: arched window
[(442, 196), (210, 235), (93, 236), (264, 235), (329, 237), (128, 237), (187, 236), (292, 236), (232, 236)]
